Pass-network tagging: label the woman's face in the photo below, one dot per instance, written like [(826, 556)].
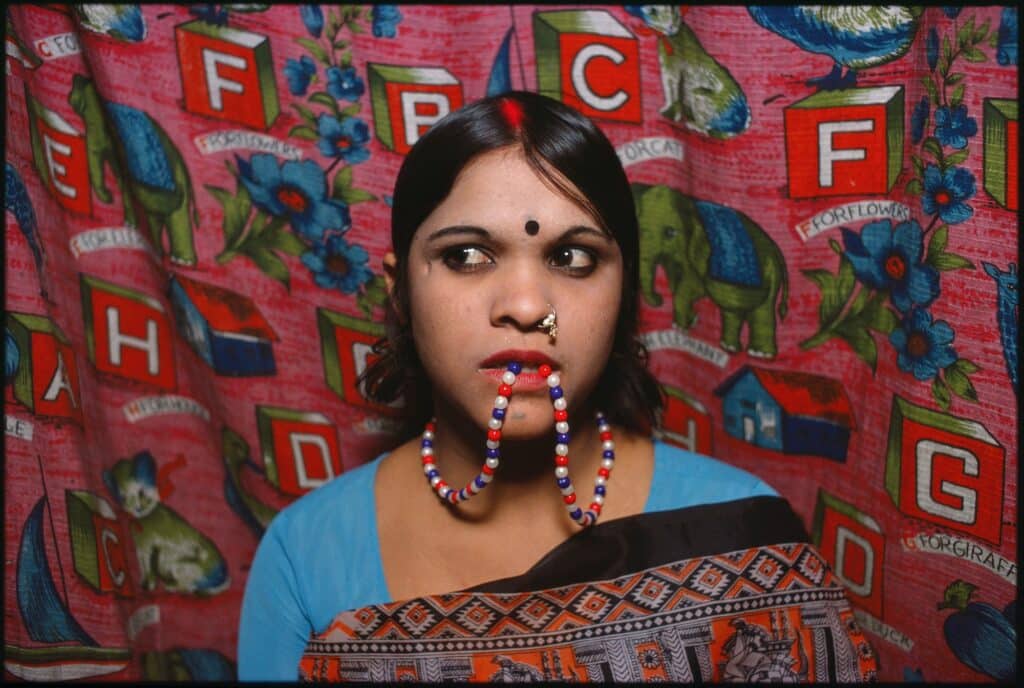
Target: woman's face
[(480, 283)]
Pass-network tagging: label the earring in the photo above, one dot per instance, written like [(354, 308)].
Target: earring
[(550, 324)]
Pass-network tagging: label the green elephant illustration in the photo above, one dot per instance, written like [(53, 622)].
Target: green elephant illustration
[(157, 178), (707, 249)]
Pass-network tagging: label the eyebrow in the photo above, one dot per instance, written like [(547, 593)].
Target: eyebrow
[(473, 230)]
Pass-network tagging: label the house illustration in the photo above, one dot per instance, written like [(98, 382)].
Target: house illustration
[(225, 328), (788, 411)]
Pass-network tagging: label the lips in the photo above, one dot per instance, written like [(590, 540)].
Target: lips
[(529, 379)]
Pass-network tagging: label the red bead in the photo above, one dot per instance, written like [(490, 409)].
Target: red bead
[(603, 472), (440, 485), (596, 508), (569, 498), (504, 390), (431, 427), (494, 435), (428, 459), (561, 460), (487, 470), (561, 415), (605, 436), (544, 370)]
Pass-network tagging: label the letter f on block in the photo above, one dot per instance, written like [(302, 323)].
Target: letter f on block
[(828, 155)]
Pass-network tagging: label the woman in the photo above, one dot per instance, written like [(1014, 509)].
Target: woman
[(514, 270)]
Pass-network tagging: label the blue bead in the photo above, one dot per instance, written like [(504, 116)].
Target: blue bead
[(480, 482), (516, 367), (556, 392), (608, 454), (498, 413), (493, 453), (427, 443), (599, 490), (576, 514), (564, 483), (562, 437), (433, 474)]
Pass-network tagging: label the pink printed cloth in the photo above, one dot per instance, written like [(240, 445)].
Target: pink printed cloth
[(197, 206)]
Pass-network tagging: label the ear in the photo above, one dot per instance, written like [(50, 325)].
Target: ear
[(990, 269), (390, 273), (144, 467)]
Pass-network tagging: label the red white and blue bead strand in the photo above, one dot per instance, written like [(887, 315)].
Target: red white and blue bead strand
[(581, 517)]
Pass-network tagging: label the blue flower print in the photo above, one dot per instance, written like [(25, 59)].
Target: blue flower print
[(211, 14), (918, 120), (890, 259), (336, 264), (344, 83), (346, 140), (952, 12), (296, 190), (313, 18), (953, 128), (931, 49), (945, 193), (299, 72), (922, 346), (385, 20)]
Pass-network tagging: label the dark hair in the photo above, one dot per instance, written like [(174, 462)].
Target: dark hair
[(553, 137)]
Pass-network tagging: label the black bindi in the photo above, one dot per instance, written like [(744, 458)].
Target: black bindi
[(532, 227)]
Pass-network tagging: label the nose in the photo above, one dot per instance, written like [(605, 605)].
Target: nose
[(522, 299)]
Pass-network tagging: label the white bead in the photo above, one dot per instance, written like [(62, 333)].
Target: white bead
[(598, 499), (607, 463), (603, 428), (508, 377), (566, 491), (435, 480), (562, 449), (428, 435), (559, 404), (561, 471), (571, 507), (426, 451), (608, 445), (492, 462), (599, 480), (444, 492), (486, 478), (554, 380), (427, 467), (500, 402), (494, 424), (493, 444), (561, 426)]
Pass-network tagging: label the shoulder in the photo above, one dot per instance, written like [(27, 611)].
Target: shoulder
[(684, 478)]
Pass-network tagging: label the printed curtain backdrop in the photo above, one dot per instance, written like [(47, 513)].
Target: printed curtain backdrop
[(197, 206)]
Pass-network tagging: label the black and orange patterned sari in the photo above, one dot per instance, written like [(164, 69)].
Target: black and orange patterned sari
[(721, 592)]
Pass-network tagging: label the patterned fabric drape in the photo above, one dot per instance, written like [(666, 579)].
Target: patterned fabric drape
[(197, 206)]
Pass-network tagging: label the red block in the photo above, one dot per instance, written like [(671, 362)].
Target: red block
[(227, 74), (845, 142), (46, 380), (407, 101), (685, 422), (66, 160), (300, 449), (113, 574), (128, 332), (855, 547)]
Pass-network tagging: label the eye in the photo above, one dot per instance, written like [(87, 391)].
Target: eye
[(465, 258), (576, 260)]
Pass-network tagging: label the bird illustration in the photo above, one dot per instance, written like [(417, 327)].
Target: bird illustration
[(17, 201), (854, 36)]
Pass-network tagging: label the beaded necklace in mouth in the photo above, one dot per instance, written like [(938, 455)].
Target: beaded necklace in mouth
[(581, 517)]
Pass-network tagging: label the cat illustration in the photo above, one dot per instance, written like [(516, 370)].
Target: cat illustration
[(171, 551)]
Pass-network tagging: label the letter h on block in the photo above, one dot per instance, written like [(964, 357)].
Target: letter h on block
[(590, 61), (128, 333), (347, 347), (300, 448), (97, 543), (945, 470), (46, 380), (407, 101), (845, 142), (853, 543), (227, 74)]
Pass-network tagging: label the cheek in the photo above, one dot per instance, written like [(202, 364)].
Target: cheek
[(439, 321)]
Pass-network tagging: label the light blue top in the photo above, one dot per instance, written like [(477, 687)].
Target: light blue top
[(321, 555)]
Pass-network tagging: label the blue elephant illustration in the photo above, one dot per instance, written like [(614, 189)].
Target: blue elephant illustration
[(156, 178), (707, 249)]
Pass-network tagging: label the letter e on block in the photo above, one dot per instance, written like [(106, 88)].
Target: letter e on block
[(590, 61), (67, 163), (346, 344), (227, 74), (407, 101), (300, 448), (845, 142), (46, 381), (854, 545), (686, 422), (945, 470), (128, 333)]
